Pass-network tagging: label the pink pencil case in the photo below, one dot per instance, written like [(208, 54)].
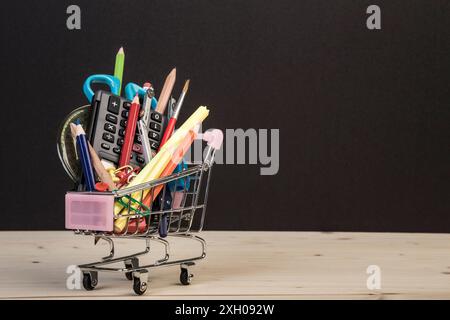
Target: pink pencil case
[(89, 211)]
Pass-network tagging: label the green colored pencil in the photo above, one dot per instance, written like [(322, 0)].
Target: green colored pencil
[(118, 68)]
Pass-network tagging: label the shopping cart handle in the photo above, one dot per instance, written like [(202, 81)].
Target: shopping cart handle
[(214, 138)]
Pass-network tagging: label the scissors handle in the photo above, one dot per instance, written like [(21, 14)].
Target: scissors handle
[(132, 89), (112, 82)]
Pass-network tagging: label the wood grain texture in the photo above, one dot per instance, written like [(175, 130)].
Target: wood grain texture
[(244, 265)]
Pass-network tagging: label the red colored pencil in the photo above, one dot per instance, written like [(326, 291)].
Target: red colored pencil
[(130, 131)]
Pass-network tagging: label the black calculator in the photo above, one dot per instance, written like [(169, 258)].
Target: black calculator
[(106, 131)]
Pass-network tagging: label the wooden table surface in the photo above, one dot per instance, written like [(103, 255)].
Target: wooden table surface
[(244, 265)]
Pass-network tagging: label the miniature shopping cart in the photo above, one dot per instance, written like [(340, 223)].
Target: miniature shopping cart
[(179, 213)]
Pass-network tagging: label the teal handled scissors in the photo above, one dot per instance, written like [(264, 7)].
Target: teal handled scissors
[(131, 89), (112, 82)]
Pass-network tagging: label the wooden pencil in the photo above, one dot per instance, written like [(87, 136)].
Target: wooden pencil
[(100, 169), (166, 91)]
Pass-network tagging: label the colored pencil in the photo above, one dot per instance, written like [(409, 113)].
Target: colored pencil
[(96, 162), (166, 90), (86, 164), (130, 131), (118, 68)]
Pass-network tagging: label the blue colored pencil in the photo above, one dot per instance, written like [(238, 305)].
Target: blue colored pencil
[(86, 164)]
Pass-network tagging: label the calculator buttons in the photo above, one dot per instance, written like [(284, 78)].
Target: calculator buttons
[(110, 128), (123, 123), (138, 139), (155, 126), (125, 113), (126, 105), (108, 137), (154, 145), (114, 104), (156, 116), (140, 159), (116, 150), (137, 148), (120, 141), (105, 146), (122, 132), (153, 135), (111, 118)]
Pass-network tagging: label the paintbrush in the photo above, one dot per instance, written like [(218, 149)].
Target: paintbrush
[(171, 125)]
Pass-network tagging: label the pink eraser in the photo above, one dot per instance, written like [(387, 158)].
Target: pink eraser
[(214, 138), (89, 211)]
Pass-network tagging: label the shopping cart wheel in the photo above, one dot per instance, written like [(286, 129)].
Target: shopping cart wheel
[(131, 264), (90, 280), (185, 276), (140, 282)]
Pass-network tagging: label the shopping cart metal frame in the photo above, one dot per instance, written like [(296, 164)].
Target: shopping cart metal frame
[(183, 221)]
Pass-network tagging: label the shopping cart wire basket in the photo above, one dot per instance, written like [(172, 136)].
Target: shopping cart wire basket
[(177, 209)]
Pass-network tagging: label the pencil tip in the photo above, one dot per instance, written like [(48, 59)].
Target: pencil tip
[(121, 50), (136, 99), (78, 129)]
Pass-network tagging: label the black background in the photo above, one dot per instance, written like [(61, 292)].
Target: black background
[(363, 115)]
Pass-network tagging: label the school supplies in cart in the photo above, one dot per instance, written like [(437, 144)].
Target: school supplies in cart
[(122, 192)]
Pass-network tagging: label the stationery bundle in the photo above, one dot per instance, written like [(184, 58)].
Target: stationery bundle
[(125, 155), (128, 141)]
